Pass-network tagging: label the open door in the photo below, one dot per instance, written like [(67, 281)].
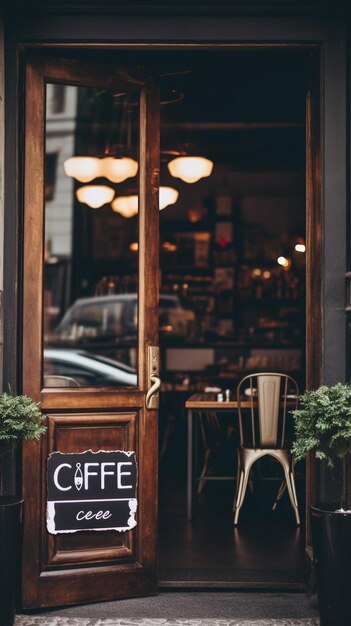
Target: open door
[(87, 330)]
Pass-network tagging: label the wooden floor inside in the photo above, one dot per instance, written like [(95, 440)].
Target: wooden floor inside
[(266, 551)]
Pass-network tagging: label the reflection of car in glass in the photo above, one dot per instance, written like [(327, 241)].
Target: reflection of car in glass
[(87, 370), (110, 318)]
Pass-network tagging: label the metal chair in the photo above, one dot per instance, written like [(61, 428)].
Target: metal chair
[(264, 431)]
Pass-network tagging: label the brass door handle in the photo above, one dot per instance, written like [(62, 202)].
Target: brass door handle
[(153, 373), (152, 400)]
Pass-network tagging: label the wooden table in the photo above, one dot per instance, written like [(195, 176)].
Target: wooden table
[(204, 402)]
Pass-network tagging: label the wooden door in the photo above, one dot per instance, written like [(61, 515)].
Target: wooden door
[(106, 413)]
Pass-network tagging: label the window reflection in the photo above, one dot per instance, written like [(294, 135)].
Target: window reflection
[(90, 279)]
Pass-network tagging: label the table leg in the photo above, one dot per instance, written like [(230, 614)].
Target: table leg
[(190, 466)]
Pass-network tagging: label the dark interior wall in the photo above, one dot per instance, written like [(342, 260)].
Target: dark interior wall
[(331, 33)]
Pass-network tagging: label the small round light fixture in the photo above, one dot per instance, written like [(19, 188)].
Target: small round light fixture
[(118, 169), (82, 168), (300, 247), (127, 206), (95, 196), (190, 169), (284, 262), (168, 195), (266, 275)]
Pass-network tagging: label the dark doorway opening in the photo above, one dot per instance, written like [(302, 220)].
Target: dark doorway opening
[(243, 311)]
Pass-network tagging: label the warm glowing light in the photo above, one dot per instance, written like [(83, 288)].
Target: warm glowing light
[(190, 168), (256, 272), (134, 246), (300, 247), (168, 195), (118, 169), (95, 196), (284, 262), (266, 274), (127, 206), (85, 169), (82, 168), (168, 246)]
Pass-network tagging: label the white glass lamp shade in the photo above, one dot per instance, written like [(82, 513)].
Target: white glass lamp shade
[(127, 206), (190, 168), (167, 196), (82, 168), (95, 196), (118, 169)]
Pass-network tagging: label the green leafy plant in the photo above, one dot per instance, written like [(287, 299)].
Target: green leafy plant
[(20, 419), (323, 425)]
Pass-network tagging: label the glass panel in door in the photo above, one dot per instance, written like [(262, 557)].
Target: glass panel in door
[(91, 234)]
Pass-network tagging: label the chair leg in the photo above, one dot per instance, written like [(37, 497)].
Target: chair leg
[(204, 471), (290, 482), (280, 493), (244, 476)]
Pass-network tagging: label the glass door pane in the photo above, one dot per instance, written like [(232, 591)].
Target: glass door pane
[(91, 234)]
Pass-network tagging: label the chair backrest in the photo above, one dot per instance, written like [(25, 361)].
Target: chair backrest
[(263, 402)]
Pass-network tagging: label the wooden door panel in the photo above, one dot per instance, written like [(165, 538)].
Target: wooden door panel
[(58, 399), (77, 433), (89, 566)]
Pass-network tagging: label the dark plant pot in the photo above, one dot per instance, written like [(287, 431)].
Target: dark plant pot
[(10, 543), (331, 539)]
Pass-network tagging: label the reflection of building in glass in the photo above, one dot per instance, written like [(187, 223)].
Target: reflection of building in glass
[(61, 116)]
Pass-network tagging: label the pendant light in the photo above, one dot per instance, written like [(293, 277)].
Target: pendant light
[(190, 169), (167, 196), (82, 168), (118, 169), (95, 196), (85, 169), (127, 206), (115, 163)]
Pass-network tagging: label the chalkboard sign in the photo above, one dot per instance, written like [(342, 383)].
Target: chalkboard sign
[(91, 491)]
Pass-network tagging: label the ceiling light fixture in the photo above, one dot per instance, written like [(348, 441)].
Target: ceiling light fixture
[(168, 195), (118, 169), (95, 196), (115, 169), (82, 168), (190, 169), (127, 206)]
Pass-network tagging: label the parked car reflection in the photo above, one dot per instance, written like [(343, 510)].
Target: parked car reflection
[(83, 369), (113, 318)]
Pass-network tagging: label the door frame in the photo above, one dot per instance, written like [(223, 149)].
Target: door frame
[(326, 336)]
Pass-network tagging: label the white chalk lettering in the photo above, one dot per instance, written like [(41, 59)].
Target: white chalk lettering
[(87, 473), (105, 473), (56, 476), (120, 474), (88, 515)]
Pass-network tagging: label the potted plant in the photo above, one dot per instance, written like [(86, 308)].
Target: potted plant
[(20, 419), (323, 425)]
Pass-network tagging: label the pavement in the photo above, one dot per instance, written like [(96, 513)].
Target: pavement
[(186, 608), (25, 620)]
